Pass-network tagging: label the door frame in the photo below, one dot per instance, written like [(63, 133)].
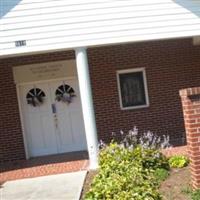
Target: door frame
[(18, 85)]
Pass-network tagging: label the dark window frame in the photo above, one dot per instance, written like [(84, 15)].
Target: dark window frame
[(144, 93)]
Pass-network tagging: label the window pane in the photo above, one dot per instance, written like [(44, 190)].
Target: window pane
[(132, 89)]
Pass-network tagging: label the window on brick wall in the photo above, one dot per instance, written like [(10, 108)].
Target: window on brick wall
[(132, 86)]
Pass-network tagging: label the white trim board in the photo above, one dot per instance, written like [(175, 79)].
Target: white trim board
[(22, 123)]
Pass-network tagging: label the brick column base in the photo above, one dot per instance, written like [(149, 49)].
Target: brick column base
[(191, 110)]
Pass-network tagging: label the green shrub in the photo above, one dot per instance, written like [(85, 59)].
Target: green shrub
[(178, 161), (112, 156), (127, 173), (153, 159), (161, 174), (131, 168)]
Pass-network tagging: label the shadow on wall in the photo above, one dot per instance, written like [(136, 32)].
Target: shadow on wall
[(6, 6), (191, 5)]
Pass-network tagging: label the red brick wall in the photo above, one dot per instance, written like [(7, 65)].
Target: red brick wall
[(170, 66), (11, 139), (191, 109)]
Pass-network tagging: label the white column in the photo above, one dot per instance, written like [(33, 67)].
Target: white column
[(87, 106)]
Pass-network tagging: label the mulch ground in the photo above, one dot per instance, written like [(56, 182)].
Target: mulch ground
[(176, 183), (88, 180)]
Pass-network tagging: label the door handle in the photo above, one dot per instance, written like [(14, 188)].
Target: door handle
[(53, 107), (54, 111)]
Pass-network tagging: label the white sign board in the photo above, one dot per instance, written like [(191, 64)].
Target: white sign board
[(44, 71)]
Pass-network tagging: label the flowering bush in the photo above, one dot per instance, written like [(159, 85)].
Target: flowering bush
[(147, 140), (127, 168)]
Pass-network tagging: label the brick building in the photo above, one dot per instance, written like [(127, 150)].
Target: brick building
[(58, 97)]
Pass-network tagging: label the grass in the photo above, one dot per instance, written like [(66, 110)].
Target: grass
[(194, 195)]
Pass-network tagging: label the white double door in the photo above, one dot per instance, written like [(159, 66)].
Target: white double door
[(54, 126)]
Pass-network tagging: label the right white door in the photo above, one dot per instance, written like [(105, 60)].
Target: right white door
[(69, 126)]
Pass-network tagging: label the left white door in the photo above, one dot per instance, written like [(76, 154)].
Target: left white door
[(39, 123)]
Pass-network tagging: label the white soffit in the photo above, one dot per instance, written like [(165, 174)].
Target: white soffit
[(47, 25)]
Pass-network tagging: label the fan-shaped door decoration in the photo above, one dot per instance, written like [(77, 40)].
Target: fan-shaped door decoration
[(65, 93), (35, 97)]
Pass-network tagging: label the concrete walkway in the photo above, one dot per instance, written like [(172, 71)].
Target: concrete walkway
[(54, 187)]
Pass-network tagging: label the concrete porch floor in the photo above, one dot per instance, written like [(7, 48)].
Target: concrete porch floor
[(43, 166), (66, 186)]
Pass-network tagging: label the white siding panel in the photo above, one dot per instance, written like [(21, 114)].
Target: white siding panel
[(98, 19), (84, 38), (122, 39), (88, 33), (77, 18), (104, 23), (59, 13), (87, 5), (93, 10), (62, 24), (33, 33)]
